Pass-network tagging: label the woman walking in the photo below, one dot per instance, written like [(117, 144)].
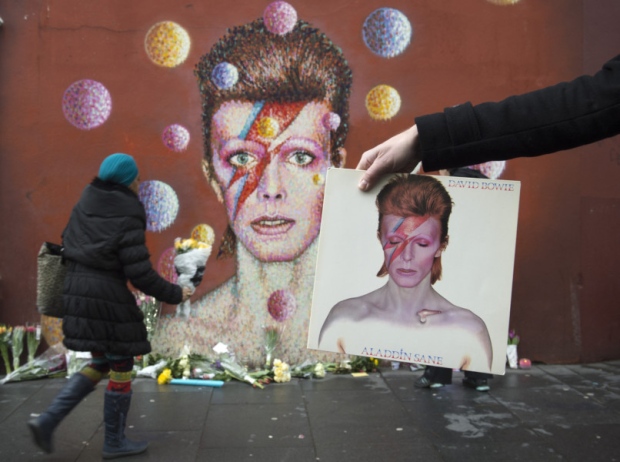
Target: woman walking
[(104, 246)]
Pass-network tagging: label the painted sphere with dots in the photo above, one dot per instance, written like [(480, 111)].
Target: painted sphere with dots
[(161, 204), (331, 121), (387, 32), (279, 18), (204, 233), (493, 169), (167, 44), (175, 137), (86, 104), (165, 265), (281, 305), (382, 102), (268, 127), (225, 76)]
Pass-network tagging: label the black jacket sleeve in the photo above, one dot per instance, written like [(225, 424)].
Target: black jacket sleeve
[(555, 118), (135, 258)]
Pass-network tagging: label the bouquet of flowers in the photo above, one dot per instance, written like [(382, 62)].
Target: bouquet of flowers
[(52, 363), (33, 338), (193, 366), (189, 262), (511, 350), (308, 369), (76, 360), (272, 339), (355, 364), (5, 342), (513, 338), (281, 371), (17, 345), (232, 369), (151, 309)]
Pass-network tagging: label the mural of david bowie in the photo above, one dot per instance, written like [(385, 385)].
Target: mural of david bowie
[(269, 137), (413, 231)]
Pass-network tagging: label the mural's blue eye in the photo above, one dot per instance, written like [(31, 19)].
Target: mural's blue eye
[(301, 158), (242, 159)]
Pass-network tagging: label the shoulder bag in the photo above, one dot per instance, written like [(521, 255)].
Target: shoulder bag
[(51, 271)]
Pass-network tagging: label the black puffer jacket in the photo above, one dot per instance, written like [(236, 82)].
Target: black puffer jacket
[(104, 244), (551, 119)]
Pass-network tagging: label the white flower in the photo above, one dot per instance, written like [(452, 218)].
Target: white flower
[(220, 348), (185, 351), (319, 370)]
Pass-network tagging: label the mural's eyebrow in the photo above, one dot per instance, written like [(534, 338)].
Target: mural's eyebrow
[(258, 106)]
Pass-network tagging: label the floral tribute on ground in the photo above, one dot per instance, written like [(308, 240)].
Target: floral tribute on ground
[(52, 363), (222, 366)]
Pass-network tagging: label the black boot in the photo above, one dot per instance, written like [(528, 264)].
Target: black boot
[(115, 409), (43, 426)]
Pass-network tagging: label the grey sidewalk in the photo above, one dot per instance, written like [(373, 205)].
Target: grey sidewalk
[(566, 413)]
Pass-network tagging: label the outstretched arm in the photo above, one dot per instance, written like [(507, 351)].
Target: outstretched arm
[(551, 119)]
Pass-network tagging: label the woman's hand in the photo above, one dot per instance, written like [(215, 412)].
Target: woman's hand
[(399, 154), (187, 292)]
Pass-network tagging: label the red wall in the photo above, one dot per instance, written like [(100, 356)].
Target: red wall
[(566, 289)]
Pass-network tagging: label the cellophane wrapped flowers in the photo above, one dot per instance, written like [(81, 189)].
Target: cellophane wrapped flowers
[(17, 345), (5, 343), (190, 262)]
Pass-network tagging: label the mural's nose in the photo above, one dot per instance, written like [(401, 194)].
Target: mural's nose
[(271, 186)]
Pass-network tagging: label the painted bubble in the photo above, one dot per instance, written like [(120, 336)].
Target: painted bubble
[(493, 169), (281, 305), (331, 121), (165, 265), (161, 204), (167, 44), (318, 179), (382, 102), (504, 2), (268, 127), (387, 32), (204, 233), (86, 104), (279, 18), (225, 76), (175, 137)]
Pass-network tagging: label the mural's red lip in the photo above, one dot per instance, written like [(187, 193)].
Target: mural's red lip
[(405, 271), (272, 225)]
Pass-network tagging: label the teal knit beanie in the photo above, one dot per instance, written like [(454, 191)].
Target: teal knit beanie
[(119, 168)]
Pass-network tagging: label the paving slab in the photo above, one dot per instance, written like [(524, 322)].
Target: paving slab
[(546, 413)]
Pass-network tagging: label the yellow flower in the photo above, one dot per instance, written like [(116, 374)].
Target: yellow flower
[(164, 377), (375, 361), (281, 371)]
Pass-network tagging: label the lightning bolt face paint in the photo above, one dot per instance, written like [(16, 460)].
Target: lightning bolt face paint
[(266, 158), (410, 246)]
